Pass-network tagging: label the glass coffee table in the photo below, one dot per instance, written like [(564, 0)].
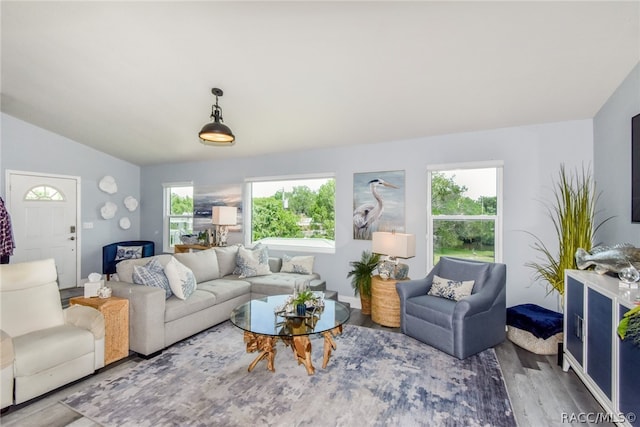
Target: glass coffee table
[(263, 328)]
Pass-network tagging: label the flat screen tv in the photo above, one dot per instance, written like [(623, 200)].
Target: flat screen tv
[(635, 168)]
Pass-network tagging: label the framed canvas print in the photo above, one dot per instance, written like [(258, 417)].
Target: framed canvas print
[(208, 196), (635, 168), (378, 203)]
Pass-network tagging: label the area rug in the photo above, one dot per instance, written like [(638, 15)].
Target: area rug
[(374, 378)]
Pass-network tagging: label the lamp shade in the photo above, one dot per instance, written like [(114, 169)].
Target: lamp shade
[(216, 133), (224, 215), (394, 244)]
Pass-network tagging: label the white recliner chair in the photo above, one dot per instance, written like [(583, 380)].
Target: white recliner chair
[(43, 346)]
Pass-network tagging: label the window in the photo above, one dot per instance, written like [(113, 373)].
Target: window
[(292, 213), (178, 213), (44, 193), (464, 215)]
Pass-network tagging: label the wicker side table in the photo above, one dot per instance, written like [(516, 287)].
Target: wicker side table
[(116, 324), (385, 302)]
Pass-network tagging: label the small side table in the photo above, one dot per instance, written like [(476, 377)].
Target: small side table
[(180, 249), (116, 324), (385, 302)]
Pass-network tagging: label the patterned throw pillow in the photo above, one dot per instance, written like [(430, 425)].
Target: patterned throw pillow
[(252, 262), (152, 274), (128, 252), (450, 289), (181, 279), (297, 264)]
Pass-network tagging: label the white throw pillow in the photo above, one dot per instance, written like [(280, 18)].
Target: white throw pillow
[(181, 279), (226, 259), (252, 262), (297, 264), (451, 289)]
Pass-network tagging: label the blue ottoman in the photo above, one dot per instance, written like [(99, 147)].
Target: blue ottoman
[(535, 328)]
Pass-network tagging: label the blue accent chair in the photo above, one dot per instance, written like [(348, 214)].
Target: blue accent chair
[(459, 328), (109, 254)]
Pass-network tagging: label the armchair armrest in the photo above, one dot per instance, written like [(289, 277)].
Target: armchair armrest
[(412, 288), (86, 318), (146, 315), (474, 304), (6, 349)]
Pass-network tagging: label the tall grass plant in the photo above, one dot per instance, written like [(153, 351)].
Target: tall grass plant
[(572, 213)]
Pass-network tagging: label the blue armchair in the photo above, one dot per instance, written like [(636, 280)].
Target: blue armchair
[(110, 252), (459, 328)]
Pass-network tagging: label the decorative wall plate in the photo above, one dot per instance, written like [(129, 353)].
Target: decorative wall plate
[(131, 203), (108, 210), (125, 223), (108, 185)]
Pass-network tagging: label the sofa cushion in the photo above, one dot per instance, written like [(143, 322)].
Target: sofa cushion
[(297, 264), (204, 264), (152, 274), (176, 308), (225, 289), (252, 262), (451, 289), (181, 279), (226, 259), (438, 311), (282, 283), (125, 268), (43, 349)]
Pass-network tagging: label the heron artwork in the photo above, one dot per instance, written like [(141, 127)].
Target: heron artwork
[(366, 216)]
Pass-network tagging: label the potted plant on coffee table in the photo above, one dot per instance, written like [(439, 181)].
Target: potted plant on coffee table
[(361, 272)]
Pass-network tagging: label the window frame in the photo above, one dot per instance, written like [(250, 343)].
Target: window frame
[(166, 214), (498, 165), (285, 244)]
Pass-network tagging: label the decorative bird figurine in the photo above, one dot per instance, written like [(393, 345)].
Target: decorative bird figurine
[(366, 216)]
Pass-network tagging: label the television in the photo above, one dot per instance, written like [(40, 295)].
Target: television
[(635, 168)]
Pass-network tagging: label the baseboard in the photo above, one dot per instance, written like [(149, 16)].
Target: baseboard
[(354, 302)]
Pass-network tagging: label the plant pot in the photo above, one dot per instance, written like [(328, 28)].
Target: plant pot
[(365, 301)]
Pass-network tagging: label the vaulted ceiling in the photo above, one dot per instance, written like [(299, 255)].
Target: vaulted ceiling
[(134, 79)]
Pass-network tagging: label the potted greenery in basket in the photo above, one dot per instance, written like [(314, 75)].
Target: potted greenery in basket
[(361, 272)]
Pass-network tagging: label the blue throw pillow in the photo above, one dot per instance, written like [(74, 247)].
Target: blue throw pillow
[(152, 274)]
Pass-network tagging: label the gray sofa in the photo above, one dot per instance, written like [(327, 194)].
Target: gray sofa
[(156, 322)]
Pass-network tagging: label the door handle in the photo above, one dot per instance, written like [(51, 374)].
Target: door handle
[(72, 238)]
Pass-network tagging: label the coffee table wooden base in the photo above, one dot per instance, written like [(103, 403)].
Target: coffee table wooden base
[(300, 344)]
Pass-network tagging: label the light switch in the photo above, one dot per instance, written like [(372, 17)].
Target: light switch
[(87, 225)]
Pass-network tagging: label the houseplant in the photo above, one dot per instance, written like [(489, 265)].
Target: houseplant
[(360, 274), (573, 216), (629, 326)]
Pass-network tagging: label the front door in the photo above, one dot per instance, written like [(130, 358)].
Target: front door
[(44, 215)]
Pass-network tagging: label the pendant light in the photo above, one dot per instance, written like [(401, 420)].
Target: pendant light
[(216, 133)]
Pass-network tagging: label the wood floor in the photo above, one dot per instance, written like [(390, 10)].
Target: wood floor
[(539, 390)]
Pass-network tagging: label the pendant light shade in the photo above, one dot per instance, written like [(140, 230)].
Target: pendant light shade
[(216, 132)]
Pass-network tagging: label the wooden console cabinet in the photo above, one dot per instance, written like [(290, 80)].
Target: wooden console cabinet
[(608, 366), (116, 324)]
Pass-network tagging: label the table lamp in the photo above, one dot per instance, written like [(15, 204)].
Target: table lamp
[(394, 245), (222, 217)]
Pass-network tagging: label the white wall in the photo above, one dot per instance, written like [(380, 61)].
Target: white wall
[(531, 154), (26, 147), (612, 158)]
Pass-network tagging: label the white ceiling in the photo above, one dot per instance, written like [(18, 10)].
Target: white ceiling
[(134, 79)]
